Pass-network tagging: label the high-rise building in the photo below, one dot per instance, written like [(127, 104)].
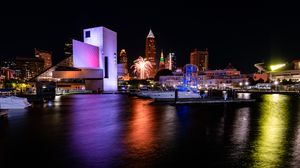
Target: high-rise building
[(68, 48), (170, 62), (45, 55), (27, 68), (150, 52), (200, 59), (123, 60), (161, 61), (68, 52)]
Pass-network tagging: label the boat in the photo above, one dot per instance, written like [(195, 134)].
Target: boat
[(170, 95), (186, 93), (148, 93), (13, 102)]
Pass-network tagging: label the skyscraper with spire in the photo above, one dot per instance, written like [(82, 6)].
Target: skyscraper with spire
[(150, 52), (161, 61), (124, 60)]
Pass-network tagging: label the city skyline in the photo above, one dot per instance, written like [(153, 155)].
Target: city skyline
[(242, 36)]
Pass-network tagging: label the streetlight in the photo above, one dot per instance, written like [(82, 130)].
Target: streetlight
[(276, 83), (246, 83)]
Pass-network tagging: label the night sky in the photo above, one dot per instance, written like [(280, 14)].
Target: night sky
[(242, 36)]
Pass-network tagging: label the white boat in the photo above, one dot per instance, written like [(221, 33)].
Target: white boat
[(148, 93), (13, 102), (170, 95)]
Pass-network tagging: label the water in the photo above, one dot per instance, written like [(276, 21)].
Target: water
[(114, 130)]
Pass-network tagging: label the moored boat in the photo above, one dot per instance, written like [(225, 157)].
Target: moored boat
[(13, 102), (171, 95)]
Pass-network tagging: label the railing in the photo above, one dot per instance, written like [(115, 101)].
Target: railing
[(266, 91)]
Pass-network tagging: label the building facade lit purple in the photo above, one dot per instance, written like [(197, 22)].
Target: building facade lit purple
[(105, 42), (85, 55)]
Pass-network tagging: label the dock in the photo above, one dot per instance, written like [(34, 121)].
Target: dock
[(3, 114), (204, 101), (214, 101)]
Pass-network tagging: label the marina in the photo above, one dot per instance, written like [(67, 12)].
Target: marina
[(113, 130)]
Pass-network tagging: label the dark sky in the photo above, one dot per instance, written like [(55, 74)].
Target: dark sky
[(240, 35)]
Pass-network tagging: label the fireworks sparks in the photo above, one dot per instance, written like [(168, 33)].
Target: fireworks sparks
[(142, 67)]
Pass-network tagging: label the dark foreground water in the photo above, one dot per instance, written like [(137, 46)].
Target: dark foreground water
[(121, 131)]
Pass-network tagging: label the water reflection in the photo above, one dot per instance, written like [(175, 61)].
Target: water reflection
[(269, 147), (141, 135), (169, 124), (95, 129), (295, 162), (240, 132), (243, 95), (117, 131)]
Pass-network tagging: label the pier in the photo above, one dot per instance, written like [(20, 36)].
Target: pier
[(214, 101), (291, 92)]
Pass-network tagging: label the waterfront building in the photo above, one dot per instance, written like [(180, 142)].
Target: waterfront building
[(259, 76), (224, 78), (296, 64), (228, 77), (106, 41), (45, 55), (289, 75), (150, 52), (161, 61), (200, 59), (91, 65), (7, 73)]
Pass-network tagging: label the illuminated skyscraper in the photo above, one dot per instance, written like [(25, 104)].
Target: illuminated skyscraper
[(170, 62), (200, 59), (123, 60), (161, 61), (46, 56), (150, 52)]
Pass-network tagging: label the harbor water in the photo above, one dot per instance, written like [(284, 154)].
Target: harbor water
[(115, 130)]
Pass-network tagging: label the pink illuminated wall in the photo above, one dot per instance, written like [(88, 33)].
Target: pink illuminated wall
[(85, 55)]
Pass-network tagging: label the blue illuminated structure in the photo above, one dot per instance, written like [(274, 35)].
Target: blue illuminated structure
[(190, 78), (190, 75)]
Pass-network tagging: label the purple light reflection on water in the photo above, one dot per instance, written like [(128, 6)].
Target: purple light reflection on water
[(111, 130), (95, 130)]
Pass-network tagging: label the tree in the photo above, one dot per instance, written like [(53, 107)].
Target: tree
[(163, 72)]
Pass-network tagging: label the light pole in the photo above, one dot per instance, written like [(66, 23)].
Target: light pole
[(276, 83), (246, 83)]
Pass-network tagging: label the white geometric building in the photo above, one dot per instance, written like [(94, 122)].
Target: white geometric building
[(106, 40), (102, 42)]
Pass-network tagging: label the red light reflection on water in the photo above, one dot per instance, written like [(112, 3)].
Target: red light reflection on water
[(141, 128)]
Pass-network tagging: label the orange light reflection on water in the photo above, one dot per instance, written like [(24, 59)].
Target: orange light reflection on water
[(141, 127)]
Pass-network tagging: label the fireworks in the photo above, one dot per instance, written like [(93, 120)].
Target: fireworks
[(142, 67)]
